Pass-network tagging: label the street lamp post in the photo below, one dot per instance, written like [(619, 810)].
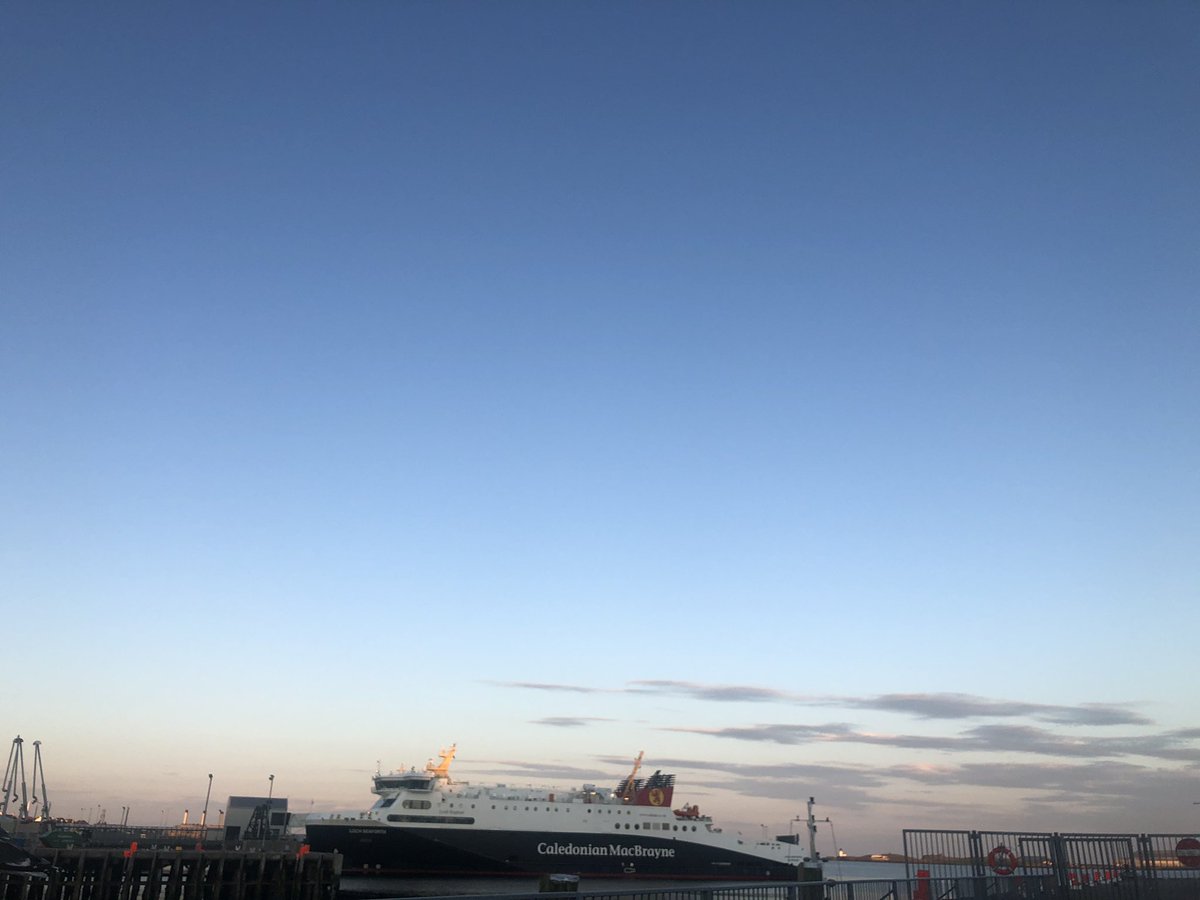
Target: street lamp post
[(204, 813), (270, 794)]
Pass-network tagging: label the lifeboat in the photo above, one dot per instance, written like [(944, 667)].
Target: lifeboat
[(688, 812)]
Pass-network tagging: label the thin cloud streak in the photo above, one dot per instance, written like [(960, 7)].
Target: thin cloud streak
[(543, 773), (943, 706), (984, 739), (544, 686), (967, 706), (727, 693)]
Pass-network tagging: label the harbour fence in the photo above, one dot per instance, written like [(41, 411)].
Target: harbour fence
[(1063, 866), (859, 889), (132, 874)]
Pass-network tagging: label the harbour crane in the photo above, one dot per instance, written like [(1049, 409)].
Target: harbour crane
[(14, 770), (40, 770)]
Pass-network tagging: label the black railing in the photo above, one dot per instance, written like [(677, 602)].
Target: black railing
[(1064, 866), (941, 888)]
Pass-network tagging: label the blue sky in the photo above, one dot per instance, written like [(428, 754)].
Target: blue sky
[(803, 393)]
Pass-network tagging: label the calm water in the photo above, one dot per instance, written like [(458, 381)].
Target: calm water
[(447, 887)]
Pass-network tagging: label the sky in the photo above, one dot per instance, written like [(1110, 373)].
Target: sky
[(805, 394)]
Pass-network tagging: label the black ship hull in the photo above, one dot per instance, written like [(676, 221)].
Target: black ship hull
[(387, 850)]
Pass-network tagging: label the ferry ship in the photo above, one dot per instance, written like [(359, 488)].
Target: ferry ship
[(425, 824)]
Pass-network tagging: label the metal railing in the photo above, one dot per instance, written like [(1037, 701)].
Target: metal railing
[(1060, 865), (924, 888)]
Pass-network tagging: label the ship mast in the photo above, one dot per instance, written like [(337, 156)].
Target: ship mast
[(812, 832)]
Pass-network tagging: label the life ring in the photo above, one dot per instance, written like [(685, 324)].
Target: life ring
[(1002, 861)]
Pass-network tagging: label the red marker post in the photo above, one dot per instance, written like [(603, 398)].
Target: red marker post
[(922, 891)]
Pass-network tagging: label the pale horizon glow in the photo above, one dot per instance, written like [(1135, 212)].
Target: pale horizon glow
[(804, 394)]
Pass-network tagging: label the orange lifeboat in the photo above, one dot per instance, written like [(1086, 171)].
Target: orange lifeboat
[(688, 812)]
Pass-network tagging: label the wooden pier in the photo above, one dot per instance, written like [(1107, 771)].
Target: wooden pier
[(92, 874)]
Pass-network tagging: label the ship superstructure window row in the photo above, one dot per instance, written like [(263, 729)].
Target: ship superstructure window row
[(439, 820)]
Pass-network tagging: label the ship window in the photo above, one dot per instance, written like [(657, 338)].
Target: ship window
[(617, 825), (635, 827), (442, 820), (384, 804), (416, 804), (626, 826)]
